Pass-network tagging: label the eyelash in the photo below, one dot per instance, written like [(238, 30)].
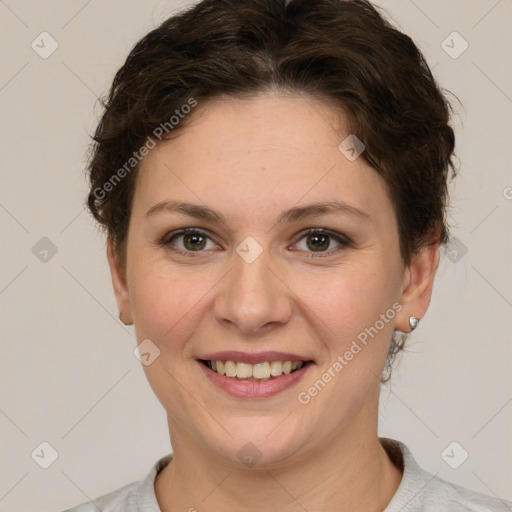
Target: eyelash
[(167, 239)]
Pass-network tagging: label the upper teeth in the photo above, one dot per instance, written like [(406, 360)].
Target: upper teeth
[(264, 370)]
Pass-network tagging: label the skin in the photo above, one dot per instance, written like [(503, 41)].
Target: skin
[(324, 455)]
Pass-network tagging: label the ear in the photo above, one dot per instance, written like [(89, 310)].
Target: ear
[(418, 285), (118, 273)]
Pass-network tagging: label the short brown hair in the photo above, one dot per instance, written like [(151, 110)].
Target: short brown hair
[(340, 50)]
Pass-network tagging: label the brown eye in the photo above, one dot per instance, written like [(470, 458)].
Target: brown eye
[(320, 241), (187, 241), (194, 242)]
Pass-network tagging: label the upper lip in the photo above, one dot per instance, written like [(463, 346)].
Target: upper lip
[(246, 357)]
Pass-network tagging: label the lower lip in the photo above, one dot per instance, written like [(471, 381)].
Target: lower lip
[(253, 389)]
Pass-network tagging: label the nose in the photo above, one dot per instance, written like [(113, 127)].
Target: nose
[(253, 297)]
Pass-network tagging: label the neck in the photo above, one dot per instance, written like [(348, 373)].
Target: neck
[(354, 473)]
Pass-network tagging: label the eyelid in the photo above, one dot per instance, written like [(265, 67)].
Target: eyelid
[(324, 231)]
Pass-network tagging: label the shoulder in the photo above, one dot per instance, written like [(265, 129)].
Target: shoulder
[(115, 501), (420, 491), (134, 497), (456, 498)]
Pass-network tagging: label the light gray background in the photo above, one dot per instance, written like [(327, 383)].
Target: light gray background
[(67, 372)]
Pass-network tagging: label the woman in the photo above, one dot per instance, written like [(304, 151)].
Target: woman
[(272, 178)]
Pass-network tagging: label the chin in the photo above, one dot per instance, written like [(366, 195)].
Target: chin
[(256, 442)]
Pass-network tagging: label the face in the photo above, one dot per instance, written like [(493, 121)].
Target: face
[(262, 276)]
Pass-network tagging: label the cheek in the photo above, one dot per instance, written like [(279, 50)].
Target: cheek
[(349, 302), (166, 303), (167, 307)]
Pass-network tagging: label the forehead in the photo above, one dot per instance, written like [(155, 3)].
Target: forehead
[(263, 152)]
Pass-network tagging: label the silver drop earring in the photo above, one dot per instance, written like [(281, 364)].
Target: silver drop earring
[(413, 322)]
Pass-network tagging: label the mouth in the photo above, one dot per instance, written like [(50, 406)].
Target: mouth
[(258, 372), (254, 376)]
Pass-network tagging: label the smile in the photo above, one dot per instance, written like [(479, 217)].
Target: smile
[(267, 375), (262, 372)]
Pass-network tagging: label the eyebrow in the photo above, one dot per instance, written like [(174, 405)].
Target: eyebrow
[(292, 215)]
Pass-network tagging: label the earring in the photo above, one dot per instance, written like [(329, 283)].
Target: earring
[(413, 322)]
